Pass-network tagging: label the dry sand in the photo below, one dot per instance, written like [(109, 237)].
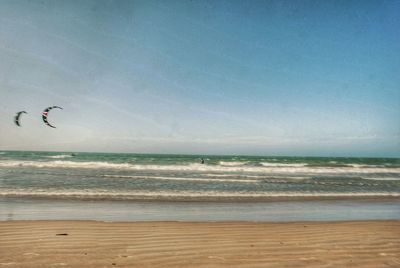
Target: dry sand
[(186, 244)]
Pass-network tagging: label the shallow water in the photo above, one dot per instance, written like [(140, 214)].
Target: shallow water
[(339, 210), (99, 176)]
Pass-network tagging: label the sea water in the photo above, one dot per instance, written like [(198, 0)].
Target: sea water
[(106, 176)]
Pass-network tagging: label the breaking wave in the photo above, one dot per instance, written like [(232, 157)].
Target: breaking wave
[(179, 195), (267, 164), (382, 178), (232, 163), (196, 167), (61, 156), (180, 178)]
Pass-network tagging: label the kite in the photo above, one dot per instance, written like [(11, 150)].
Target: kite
[(17, 116), (45, 114)]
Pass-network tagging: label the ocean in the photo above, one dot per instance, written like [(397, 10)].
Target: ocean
[(107, 186)]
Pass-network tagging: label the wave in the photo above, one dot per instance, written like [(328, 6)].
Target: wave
[(232, 163), (202, 177), (182, 195), (382, 178), (387, 165), (180, 178), (199, 167), (267, 164), (61, 156), (262, 177), (64, 164)]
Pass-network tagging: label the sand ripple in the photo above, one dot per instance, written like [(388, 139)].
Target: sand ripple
[(185, 244)]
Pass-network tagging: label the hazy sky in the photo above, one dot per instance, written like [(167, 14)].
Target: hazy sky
[(217, 77)]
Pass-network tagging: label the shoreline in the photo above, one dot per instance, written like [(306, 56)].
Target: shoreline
[(201, 199), (199, 244), (276, 211)]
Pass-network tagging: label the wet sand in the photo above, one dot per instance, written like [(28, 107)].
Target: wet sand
[(199, 244), (14, 209)]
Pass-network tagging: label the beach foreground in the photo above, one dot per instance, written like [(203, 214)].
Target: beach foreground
[(199, 244)]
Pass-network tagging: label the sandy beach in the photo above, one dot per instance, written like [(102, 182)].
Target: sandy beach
[(199, 244)]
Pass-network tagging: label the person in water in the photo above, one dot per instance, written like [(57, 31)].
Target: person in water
[(202, 160)]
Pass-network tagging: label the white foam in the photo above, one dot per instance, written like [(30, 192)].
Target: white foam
[(365, 166), (179, 178), (59, 156), (382, 178), (263, 176), (267, 164), (231, 175), (232, 163), (200, 167), (102, 193), (219, 175), (63, 164)]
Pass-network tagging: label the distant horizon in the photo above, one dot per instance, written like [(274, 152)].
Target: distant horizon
[(196, 154)]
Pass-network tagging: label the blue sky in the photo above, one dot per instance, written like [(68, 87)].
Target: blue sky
[(216, 77)]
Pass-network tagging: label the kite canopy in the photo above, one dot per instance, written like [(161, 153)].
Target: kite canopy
[(45, 114), (17, 117)]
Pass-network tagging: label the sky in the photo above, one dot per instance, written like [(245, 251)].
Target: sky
[(301, 78)]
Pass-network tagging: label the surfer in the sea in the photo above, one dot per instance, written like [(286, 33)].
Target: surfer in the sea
[(202, 160)]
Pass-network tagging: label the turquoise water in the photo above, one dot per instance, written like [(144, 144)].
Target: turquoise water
[(100, 176)]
